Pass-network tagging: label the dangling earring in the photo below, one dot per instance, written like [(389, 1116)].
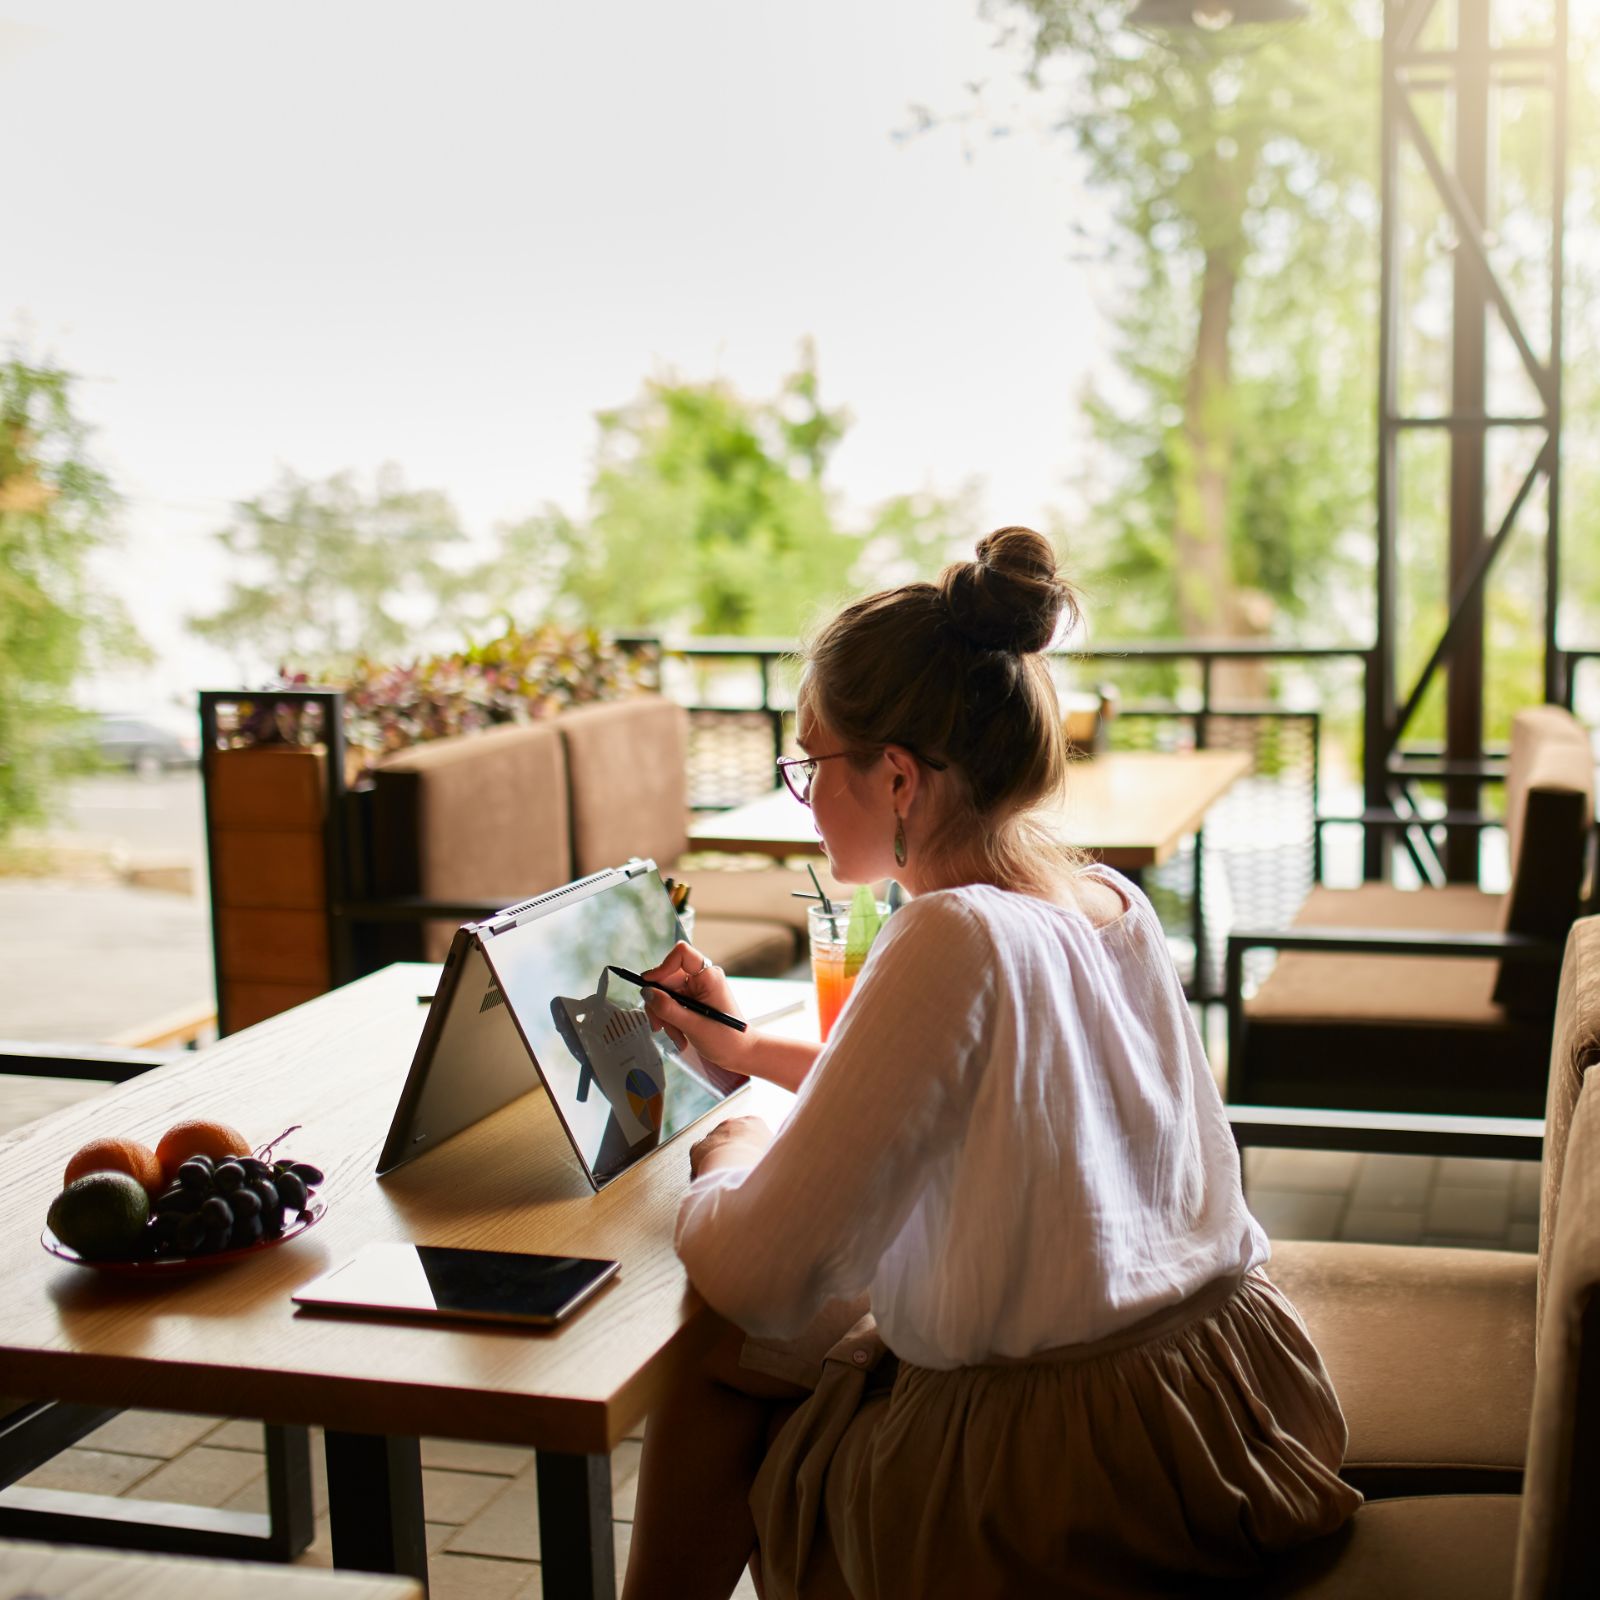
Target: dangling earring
[(899, 840)]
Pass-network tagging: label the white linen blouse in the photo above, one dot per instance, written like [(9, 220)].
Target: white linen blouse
[(1012, 1140)]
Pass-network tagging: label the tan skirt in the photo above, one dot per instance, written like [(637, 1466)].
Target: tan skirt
[(1184, 1449)]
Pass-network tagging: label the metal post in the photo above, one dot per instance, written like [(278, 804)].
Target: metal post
[(1469, 402)]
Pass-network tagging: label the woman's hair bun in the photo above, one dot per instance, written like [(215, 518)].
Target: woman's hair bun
[(1011, 597)]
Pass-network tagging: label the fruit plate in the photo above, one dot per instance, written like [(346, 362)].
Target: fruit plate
[(177, 1266)]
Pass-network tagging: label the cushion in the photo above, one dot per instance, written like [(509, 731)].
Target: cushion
[(1574, 1049), (1431, 1354), (747, 949), (1549, 807), (1391, 1033), (1460, 1546), (479, 816), (1560, 1550), (626, 770)]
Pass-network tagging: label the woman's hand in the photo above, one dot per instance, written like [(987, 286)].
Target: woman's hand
[(738, 1142), (693, 973)]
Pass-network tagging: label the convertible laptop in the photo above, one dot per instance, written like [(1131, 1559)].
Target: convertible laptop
[(528, 997)]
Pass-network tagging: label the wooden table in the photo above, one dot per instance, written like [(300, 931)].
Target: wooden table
[(230, 1343), (1130, 809)]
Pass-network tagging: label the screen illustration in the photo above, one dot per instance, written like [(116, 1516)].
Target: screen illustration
[(620, 1089), (613, 1047)]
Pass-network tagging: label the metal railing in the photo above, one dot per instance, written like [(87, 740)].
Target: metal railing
[(1258, 855)]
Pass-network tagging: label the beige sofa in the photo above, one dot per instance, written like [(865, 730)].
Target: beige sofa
[(1420, 1351), (505, 814)]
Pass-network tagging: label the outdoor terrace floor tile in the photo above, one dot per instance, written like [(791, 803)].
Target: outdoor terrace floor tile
[(201, 1477), (151, 1433), (92, 1472), (1297, 1213), (1474, 1172), (1393, 1183), (1482, 1215), (458, 1455), (457, 1497), (1320, 1170), (1381, 1227), (237, 1434)]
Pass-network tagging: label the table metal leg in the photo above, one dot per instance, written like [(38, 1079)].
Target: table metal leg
[(375, 1503), (575, 1549)]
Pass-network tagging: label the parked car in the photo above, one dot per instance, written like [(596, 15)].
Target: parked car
[(139, 745)]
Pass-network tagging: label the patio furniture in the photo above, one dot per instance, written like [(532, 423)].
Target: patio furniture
[(1129, 809), (1432, 1350), (1538, 1545), (1438, 1000), (36, 1571), (32, 1431), (467, 825), (230, 1343)]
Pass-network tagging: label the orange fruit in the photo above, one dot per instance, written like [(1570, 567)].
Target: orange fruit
[(117, 1155), (198, 1137)]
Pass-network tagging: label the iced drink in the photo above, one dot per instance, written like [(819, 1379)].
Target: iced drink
[(832, 965)]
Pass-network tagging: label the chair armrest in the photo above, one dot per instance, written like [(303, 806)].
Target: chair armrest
[(1398, 1132), (100, 1063), (1365, 941), (1394, 942)]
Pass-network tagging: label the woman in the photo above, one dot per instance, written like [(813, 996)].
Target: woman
[(1074, 1377)]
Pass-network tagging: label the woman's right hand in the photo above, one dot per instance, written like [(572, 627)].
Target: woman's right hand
[(697, 976)]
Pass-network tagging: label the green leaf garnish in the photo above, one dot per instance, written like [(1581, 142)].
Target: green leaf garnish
[(865, 920)]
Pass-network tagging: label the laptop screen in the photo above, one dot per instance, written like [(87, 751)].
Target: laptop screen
[(620, 1089)]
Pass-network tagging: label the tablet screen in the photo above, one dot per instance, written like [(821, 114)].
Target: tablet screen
[(431, 1280), (620, 1089)]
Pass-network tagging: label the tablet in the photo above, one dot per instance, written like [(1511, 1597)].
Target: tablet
[(424, 1280), (531, 997)]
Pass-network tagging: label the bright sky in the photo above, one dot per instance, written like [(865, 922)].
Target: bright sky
[(326, 236)]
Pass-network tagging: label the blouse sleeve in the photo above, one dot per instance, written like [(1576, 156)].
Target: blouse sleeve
[(886, 1100)]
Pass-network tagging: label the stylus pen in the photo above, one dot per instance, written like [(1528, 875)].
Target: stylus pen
[(699, 1007)]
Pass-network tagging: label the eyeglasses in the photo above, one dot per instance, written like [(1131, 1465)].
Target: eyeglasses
[(798, 772)]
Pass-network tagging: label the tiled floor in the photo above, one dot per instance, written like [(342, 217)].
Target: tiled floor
[(483, 1537)]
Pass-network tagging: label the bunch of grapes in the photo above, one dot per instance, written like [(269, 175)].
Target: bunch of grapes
[(228, 1205)]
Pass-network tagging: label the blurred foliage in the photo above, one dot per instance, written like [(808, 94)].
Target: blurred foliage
[(1233, 480), (709, 513), (517, 677), (57, 624), (329, 570)]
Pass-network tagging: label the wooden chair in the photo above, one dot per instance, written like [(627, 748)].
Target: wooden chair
[(1438, 1000)]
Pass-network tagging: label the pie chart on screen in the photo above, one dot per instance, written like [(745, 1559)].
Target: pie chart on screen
[(644, 1098)]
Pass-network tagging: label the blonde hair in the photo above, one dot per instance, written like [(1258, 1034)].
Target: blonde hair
[(954, 671)]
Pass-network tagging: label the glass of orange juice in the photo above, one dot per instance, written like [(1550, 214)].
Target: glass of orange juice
[(834, 964)]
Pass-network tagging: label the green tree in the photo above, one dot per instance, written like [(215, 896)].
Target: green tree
[(1236, 444), (56, 621), (328, 571), (710, 513)]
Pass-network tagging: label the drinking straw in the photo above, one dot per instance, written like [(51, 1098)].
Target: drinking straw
[(827, 904)]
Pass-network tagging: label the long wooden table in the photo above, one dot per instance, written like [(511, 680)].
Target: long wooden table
[(230, 1343), (1130, 809)]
